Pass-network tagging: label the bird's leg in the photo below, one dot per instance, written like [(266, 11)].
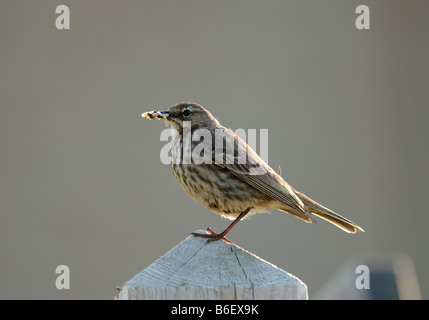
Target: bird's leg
[(217, 236)]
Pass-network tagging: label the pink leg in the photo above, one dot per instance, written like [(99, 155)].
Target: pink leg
[(217, 236)]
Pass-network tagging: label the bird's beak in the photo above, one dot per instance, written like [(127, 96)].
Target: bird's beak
[(165, 114), (157, 114)]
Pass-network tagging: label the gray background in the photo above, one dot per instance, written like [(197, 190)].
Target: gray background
[(81, 182)]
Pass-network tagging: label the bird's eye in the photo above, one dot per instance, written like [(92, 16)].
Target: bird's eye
[(187, 113)]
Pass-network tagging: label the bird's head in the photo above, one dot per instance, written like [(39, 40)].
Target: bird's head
[(198, 116)]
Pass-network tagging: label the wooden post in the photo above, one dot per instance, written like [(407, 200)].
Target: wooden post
[(197, 269)]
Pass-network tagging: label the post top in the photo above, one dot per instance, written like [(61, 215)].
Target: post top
[(197, 265)]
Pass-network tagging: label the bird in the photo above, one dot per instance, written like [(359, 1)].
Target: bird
[(225, 175)]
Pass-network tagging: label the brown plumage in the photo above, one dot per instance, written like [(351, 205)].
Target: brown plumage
[(232, 179)]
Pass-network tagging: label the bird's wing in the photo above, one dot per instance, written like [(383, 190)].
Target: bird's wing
[(245, 163)]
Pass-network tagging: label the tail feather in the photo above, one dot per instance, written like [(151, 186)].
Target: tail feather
[(304, 216), (328, 215)]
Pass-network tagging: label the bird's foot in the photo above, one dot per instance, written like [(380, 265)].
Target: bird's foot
[(213, 236)]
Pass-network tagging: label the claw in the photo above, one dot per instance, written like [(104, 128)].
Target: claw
[(213, 236)]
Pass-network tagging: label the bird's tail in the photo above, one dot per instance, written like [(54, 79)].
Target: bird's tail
[(328, 215)]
